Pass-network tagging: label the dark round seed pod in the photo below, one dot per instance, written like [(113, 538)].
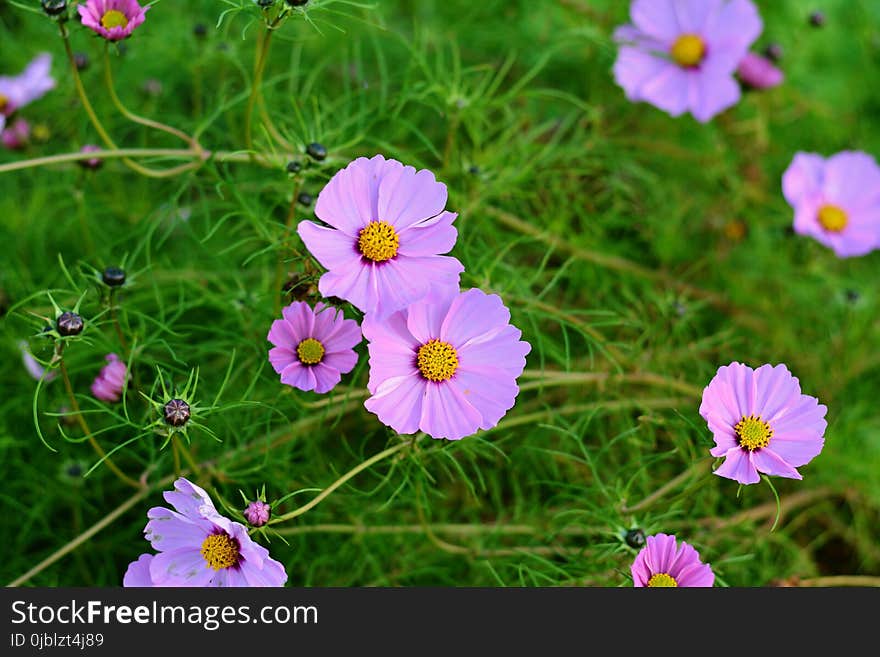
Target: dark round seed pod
[(852, 295), (774, 52), (177, 413), (54, 7), (817, 19), (113, 276), (305, 199), (294, 166), (316, 151), (81, 60), (265, 3), (200, 30), (635, 538), (474, 170), (297, 3), (69, 323)]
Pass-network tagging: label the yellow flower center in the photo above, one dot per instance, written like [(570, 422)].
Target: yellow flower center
[(310, 351), (688, 50), (4, 101), (753, 433), (378, 241), (833, 218), (662, 580), (220, 551), (437, 361), (114, 18)]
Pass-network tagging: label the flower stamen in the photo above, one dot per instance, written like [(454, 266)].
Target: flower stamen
[(220, 551), (688, 51), (378, 241), (662, 580), (833, 218), (437, 361), (310, 351), (753, 433), (114, 18)]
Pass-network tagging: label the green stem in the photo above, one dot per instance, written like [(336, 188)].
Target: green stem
[(81, 92), (341, 481), (85, 427), (259, 67)]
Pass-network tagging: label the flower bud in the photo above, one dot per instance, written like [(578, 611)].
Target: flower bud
[(265, 3), (68, 324), (90, 162), (758, 73), (257, 513), (113, 276), (817, 19), (200, 30), (316, 151), (635, 538), (305, 199), (54, 7), (177, 413), (81, 60), (774, 52), (294, 166), (297, 3)]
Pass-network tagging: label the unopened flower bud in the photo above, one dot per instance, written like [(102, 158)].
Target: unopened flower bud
[(294, 166), (81, 60), (635, 538), (305, 199), (177, 413), (774, 52), (113, 276), (69, 323), (297, 3), (316, 151), (817, 19), (54, 7), (200, 30), (257, 513)]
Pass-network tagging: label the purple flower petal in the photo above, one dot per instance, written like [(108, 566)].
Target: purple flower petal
[(350, 200), (490, 390), (738, 466), (446, 413), (767, 461), (301, 319), (428, 239), (281, 358), (168, 530), (711, 95), (804, 177), (138, 572), (332, 248), (299, 376), (398, 402), (326, 377), (182, 567), (658, 18)]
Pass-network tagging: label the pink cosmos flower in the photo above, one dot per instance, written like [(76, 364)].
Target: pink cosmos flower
[(17, 135), (387, 230), (445, 366), (761, 422), (759, 72), (680, 55), (28, 86), (836, 201), (112, 19), (665, 563), (313, 348), (110, 382), (199, 547)]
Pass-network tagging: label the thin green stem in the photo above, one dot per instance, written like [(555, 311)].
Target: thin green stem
[(259, 67), (341, 481), (81, 92), (136, 118), (85, 427), (698, 468), (279, 265)]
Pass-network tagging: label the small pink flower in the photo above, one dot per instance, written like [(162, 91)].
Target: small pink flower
[(761, 422), (313, 348), (16, 135), (257, 513), (112, 19), (665, 563), (31, 84), (90, 162), (758, 72), (111, 381), (836, 201)]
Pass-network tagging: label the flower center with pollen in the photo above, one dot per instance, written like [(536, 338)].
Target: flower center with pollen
[(220, 551), (662, 580), (753, 433), (688, 50), (114, 18), (4, 103), (310, 351), (437, 361), (832, 218), (378, 241)]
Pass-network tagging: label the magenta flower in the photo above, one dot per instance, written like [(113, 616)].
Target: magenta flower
[(313, 348), (761, 422), (112, 19), (28, 86), (111, 381), (387, 229), (759, 72), (257, 513), (665, 563), (680, 55), (17, 135), (447, 367), (199, 547), (836, 201)]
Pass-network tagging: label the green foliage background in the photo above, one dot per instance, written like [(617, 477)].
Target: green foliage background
[(637, 253)]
